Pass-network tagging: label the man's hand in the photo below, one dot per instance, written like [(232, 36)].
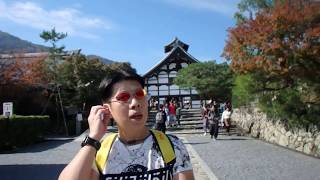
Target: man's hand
[(98, 121)]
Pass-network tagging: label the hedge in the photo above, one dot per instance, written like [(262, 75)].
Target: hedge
[(18, 131)]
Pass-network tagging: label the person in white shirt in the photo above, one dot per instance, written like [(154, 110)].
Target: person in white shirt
[(226, 119), (134, 153)]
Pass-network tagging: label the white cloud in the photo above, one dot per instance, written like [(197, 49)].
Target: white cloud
[(226, 7), (69, 20)]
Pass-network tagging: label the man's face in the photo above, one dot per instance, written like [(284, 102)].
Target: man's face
[(128, 104)]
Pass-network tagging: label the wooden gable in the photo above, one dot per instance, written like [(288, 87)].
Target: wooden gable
[(178, 54)]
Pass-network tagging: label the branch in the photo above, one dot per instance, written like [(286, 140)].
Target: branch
[(272, 89), (316, 103), (288, 83)]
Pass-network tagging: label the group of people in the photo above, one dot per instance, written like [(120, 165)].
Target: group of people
[(168, 115), (214, 116), (153, 103)]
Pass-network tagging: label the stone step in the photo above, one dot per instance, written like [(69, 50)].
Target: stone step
[(191, 123), (190, 110), (180, 127), (183, 120), (195, 111), (190, 119), (182, 117)]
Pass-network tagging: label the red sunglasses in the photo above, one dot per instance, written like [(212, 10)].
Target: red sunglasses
[(125, 96)]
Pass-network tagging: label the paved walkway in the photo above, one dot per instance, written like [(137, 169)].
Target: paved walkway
[(230, 157), (245, 158)]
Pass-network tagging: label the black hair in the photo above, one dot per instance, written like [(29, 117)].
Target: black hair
[(106, 85)]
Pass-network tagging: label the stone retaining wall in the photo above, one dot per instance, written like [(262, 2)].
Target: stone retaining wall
[(255, 122)]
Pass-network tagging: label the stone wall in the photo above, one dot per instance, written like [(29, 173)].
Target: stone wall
[(255, 122)]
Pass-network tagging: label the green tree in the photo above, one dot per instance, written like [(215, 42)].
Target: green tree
[(55, 52), (126, 66), (211, 80), (242, 92), (80, 78), (52, 63)]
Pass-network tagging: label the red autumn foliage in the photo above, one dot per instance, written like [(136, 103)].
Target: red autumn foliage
[(283, 41), (24, 69)]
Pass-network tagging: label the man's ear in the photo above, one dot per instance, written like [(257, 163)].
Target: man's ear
[(107, 105)]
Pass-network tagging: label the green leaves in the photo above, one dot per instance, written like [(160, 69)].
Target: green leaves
[(77, 76), (211, 80), (242, 91), (80, 77), (55, 52), (52, 36)]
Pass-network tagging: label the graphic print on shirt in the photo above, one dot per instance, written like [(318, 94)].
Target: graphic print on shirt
[(144, 161)]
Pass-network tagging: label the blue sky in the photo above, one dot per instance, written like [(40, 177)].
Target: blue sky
[(134, 31)]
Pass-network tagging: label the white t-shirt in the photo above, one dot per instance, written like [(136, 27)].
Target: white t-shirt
[(226, 114), (144, 161)]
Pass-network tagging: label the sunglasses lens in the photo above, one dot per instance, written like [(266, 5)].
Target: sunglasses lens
[(124, 97), (140, 94)]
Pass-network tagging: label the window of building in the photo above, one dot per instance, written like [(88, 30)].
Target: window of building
[(172, 66), (184, 64), (152, 80)]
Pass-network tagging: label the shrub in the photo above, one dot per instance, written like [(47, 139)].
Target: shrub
[(18, 131), (288, 106), (296, 106)]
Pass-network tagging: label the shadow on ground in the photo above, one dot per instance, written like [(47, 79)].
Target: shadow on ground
[(39, 147), (32, 172)]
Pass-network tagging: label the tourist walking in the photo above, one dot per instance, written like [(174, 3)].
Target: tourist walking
[(214, 117), (228, 105), (172, 114), (226, 119), (178, 112), (161, 118), (166, 110), (205, 119)]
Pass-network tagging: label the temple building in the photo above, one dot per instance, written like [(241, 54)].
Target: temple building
[(159, 79)]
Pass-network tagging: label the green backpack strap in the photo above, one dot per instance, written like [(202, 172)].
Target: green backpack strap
[(165, 145), (102, 154)]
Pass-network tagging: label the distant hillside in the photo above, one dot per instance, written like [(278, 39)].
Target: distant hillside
[(10, 44), (105, 60)]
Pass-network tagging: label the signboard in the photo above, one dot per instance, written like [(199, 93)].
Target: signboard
[(7, 109)]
